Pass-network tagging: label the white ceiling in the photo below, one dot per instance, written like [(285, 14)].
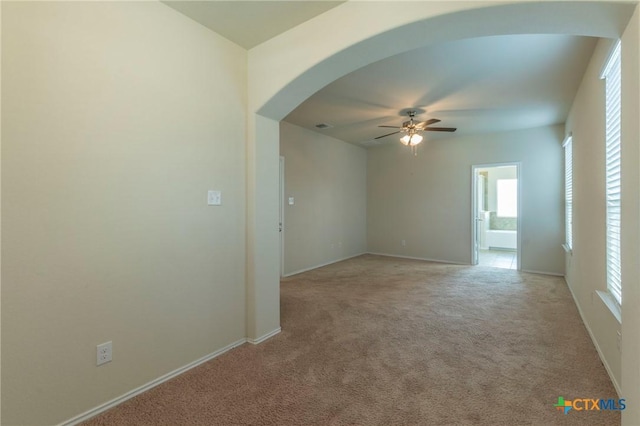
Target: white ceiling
[(249, 23), (487, 84)]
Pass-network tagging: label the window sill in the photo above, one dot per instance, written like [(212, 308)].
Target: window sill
[(610, 302), (567, 249)]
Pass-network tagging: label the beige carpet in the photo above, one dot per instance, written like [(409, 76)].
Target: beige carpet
[(384, 341)]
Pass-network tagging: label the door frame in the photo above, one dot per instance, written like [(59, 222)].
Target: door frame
[(474, 208), (281, 218)]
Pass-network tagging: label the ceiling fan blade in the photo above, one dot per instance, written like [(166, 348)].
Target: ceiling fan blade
[(424, 124), (441, 129), (392, 127), (389, 134)]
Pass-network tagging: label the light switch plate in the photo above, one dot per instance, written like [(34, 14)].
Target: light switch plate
[(214, 198), (291, 201)]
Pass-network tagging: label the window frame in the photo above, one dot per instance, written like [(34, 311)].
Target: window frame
[(568, 192), (612, 75)]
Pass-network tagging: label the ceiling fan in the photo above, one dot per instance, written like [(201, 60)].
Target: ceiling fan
[(413, 129)]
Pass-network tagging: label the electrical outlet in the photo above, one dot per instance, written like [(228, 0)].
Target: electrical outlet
[(104, 353), (404, 243)]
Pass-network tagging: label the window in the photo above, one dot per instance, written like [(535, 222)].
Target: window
[(507, 197), (612, 76), (568, 192)]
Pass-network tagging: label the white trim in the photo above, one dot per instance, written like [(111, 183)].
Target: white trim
[(474, 231), (290, 274), (518, 165), (567, 147), (282, 211), (122, 398), (610, 302), (475, 255), (555, 274), (418, 258), (615, 46), (264, 337), (595, 343), (567, 139), (567, 249)]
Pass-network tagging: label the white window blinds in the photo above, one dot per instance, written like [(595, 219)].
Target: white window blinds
[(612, 76), (568, 191)]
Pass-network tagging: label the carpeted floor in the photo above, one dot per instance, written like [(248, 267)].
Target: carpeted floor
[(384, 341)]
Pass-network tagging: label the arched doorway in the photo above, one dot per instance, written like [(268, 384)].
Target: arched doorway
[(288, 69)]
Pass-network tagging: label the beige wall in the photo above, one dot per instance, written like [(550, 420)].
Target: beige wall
[(117, 119), (327, 178), (426, 200), (587, 272)]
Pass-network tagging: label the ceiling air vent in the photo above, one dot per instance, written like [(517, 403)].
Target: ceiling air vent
[(324, 126)]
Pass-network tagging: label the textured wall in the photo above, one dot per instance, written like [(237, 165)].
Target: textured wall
[(117, 119)]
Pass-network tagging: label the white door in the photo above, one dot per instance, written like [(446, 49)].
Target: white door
[(477, 217), (479, 203)]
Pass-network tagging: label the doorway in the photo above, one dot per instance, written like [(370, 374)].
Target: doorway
[(496, 199)]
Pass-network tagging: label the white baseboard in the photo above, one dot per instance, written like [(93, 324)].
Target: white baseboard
[(555, 274), (122, 398), (264, 337), (595, 343), (418, 258), (321, 265)]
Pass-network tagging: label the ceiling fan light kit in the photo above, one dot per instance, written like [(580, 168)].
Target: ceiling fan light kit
[(411, 140)]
